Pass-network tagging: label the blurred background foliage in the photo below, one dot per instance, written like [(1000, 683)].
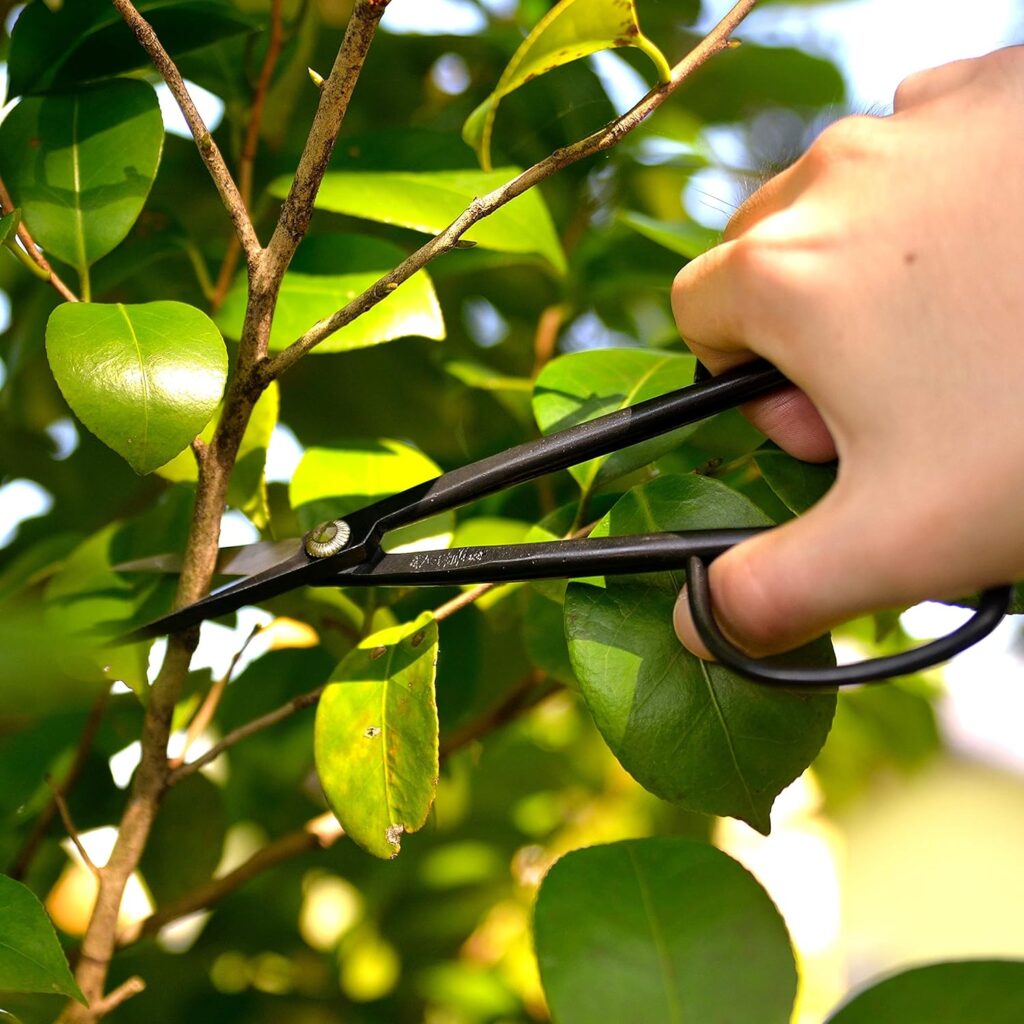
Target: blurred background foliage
[(871, 847)]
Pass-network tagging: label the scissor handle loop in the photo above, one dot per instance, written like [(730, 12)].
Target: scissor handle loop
[(992, 606)]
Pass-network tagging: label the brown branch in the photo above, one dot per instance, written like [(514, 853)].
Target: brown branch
[(335, 96), (69, 827), (46, 815), (546, 337), (109, 1003), (319, 833), (247, 159), (208, 708), (526, 694), (463, 600), (33, 250), (481, 207), (279, 714), (208, 149)]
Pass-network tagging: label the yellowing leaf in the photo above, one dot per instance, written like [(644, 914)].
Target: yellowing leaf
[(376, 740), (571, 30)]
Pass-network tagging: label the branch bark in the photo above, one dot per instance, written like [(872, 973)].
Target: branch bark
[(208, 149), (603, 139)]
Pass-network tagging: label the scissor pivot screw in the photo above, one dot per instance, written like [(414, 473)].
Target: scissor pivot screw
[(327, 539)]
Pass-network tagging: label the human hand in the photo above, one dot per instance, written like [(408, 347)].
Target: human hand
[(883, 273)]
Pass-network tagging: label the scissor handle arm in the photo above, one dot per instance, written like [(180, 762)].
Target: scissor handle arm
[(577, 444), (991, 609)]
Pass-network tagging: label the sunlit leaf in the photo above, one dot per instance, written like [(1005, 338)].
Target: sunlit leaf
[(429, 201), (54, 46), (329, 482), (661, 930), (376, 742), (690, 731), (570, 30), (584, 385), (328, 272), (953, 993), (31, 959), (80, 165), (144, 379)]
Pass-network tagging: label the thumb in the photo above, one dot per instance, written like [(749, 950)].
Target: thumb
[(791, 584)]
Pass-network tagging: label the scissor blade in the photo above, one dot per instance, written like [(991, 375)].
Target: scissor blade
[(248, 560), (286, 575)]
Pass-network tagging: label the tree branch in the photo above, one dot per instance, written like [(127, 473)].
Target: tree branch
[(605, 138), (69, 827), (279, 714), (33, 251), (320, 833), (109, 1003), (247, 158), (208, 149)]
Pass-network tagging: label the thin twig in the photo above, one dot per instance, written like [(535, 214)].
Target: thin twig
[(526, 694), (28, 851), (545, 338), (208, 708), (247, 159), (208, 149), (601, 140), (463, 600), (69, 827), (132, 987), (33, 250), (320, 833), (286, 710)]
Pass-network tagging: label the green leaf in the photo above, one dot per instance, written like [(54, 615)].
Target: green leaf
[(144, 379), (684, 237), (31, 959), (329, 482), (84, 40), (376, 739), (330, 271), (689, 731), (570, 30), (9, 225), (584, 385), (187, 840), (952, 993), (247, 485), (661, 930), (799, 485), (429, 201), (80, 165)]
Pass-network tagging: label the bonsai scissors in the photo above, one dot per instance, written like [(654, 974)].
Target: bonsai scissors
[(347, 552)]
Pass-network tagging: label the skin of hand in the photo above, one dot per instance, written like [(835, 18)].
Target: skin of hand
[(883, 273)]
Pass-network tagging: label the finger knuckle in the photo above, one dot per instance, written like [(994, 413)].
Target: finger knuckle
[(848, 139)]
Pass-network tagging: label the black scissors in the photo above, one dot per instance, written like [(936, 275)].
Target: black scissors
[(347, 552)]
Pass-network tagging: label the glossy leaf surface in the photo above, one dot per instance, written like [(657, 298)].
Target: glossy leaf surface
[(570, 30), (686, 238), (429, 201), (145, 379), (983, 990), (376, 741), (329, 272), (87, 39), (661, 930), (80, 165), (584, 385), (690, 731), (31, 959)]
